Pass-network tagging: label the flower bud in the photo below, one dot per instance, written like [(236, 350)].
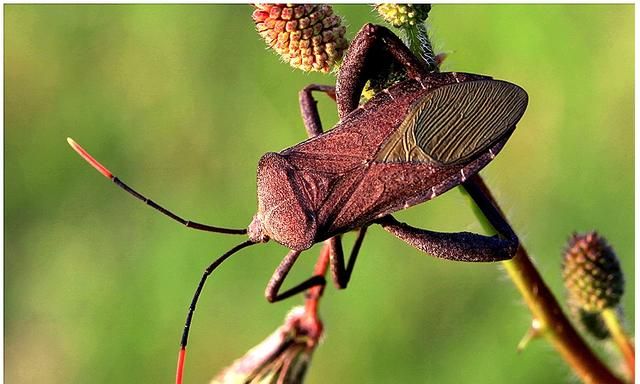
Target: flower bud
[(404, 15), (592, 273), (307, 36)]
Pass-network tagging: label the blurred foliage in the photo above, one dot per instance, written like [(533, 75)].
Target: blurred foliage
[(181, 101)]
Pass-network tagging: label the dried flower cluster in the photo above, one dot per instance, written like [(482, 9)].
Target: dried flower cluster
[(308, 36), (283, 357)]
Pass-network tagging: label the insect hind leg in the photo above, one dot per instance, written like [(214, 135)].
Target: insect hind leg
[(459, 246), (463, 246)]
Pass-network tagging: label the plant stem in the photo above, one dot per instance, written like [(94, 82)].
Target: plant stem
[(419, 43), (541, 302), (550, 319), (621, 339)]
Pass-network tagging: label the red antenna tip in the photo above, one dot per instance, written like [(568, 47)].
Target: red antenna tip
[(94, 163), (181, 356)]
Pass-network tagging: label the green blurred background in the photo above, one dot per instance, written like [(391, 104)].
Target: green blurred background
[(181, 101)]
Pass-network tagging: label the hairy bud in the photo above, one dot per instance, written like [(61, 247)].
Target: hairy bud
[(403, 15), (592, 273)]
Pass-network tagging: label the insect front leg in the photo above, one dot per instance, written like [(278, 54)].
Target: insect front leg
[(460, 246), (309, 107), (341, 274), (372, 46), (273, 287)]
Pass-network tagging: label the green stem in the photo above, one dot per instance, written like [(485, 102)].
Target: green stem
[(621, 339), (549, 318), (554, 325), (419, 43)]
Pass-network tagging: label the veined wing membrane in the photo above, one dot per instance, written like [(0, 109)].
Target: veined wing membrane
[(456, 122)]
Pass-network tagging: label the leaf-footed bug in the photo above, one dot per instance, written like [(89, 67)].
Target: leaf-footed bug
[(408, 144)]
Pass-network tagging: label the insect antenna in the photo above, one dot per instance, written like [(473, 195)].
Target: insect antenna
[(106, 173), (192, 307)]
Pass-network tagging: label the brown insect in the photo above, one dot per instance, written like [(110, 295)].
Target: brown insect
[(408, 144)]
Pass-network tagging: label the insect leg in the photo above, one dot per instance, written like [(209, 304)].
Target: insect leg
[(273, 287), (480, 193), (372, 46), (309, 107), (460, 246), (339, 273)]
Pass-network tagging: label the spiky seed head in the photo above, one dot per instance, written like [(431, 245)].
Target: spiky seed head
[(307, 36), (592, 273), (403, 15)]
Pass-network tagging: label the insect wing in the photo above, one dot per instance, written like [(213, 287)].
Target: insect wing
[(456, 123)]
